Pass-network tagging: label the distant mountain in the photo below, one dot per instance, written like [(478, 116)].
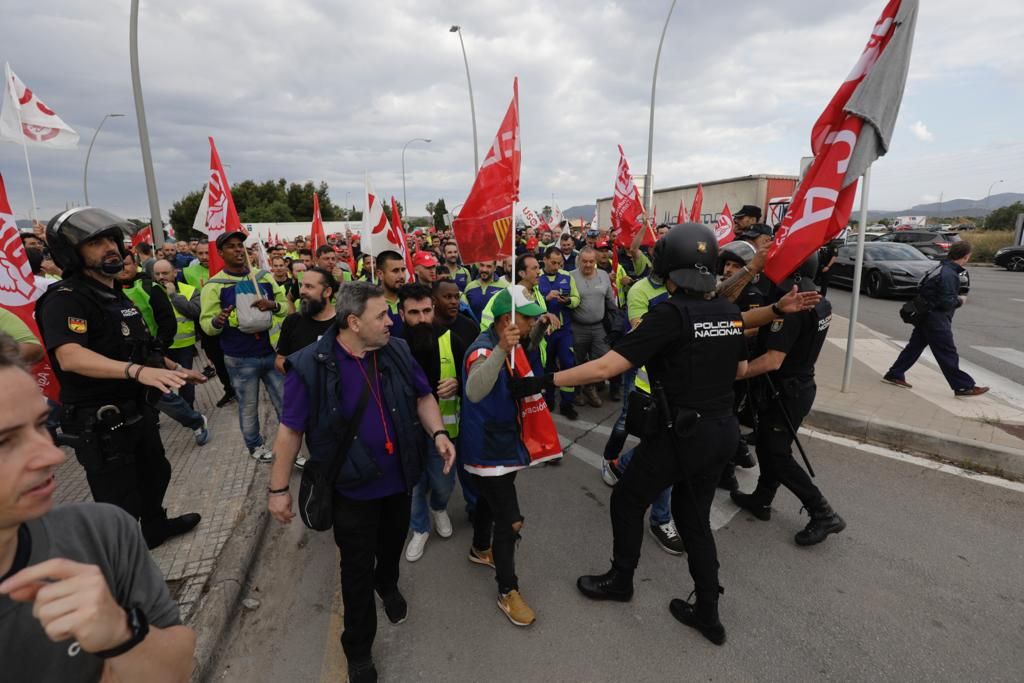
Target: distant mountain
[(954, 207), (586, 212)]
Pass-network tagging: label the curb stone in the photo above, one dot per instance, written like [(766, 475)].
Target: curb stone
[(223, 591), (961, 452)]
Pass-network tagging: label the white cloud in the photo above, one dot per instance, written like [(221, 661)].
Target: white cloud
[(921, 132)]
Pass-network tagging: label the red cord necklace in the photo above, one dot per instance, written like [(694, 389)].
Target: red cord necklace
[(388, 446)]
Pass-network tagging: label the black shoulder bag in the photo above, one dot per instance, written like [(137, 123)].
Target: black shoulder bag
[(317, 487), (915, 311)]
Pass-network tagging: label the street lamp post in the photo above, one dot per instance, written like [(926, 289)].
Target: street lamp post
[(85, 174), (988, 195), (140, 116), (405, 200), (648, 190), (472, 106)]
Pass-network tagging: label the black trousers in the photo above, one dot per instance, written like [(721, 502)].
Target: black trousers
[(211, 345), (370, 535), (775, 448), (497, 510), (657, 465), (131, 472)]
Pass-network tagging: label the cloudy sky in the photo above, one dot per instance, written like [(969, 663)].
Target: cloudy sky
[(319, 89)]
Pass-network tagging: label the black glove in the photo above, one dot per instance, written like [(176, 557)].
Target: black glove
[(521, 387)]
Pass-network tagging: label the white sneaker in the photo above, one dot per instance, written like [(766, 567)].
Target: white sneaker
[(300, 462), (417, 543), (262, 454), (442, 523)]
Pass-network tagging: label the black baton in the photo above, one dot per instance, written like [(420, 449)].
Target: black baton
[(789, 424)]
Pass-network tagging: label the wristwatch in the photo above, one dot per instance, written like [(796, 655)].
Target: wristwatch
[(139, 625), (438, 433)]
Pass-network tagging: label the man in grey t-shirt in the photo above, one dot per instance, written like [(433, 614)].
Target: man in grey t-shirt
[(588, 333), (80, 596)]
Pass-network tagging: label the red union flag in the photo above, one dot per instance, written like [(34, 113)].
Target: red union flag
[(143, 235), (317, 237), (19, 291), (681, 214), (25, 119), (698, 203), (396, 223), (724, 226), (378, 234), (854, 130), (221, 216), (484, 229), (627, 210)]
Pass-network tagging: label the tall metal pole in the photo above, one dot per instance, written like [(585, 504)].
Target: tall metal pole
[(857, 270), (85, 174), (140, 116), (988, 195), (472, 106), (405, 200), (648, 189)]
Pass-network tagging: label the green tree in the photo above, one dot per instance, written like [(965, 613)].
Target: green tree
[(437, 210), (183, 213), (1004, 218)]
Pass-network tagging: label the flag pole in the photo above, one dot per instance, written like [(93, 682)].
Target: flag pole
[(24, 147), (857, 273), (512, 279)]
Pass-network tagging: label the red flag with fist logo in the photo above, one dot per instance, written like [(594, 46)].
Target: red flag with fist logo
[(484, 230), (19, 290), (221, 216), (627, 209)]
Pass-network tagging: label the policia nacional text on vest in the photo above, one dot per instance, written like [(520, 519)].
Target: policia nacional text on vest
[(110, 422)]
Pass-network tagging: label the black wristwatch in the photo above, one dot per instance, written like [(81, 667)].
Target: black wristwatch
[(438, 433), (139, 625), (778, 311)]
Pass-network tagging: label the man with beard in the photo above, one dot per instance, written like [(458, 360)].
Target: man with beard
[(105, 361), (456, 271), (479, 292), (391, 275)]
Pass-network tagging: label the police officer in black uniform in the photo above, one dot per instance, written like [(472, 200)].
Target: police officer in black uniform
[(791, 346), (109, 374), (693, 347)]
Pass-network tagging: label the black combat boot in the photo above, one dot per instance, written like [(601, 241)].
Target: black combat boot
[(743, 458), (157, 531), (753, 503), (614, 584), (824, 521), (727, 481), (702, 616)]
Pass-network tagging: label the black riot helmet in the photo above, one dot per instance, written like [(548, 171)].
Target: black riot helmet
[(803, 276), (688, 255), (736, 251), (68, 231)]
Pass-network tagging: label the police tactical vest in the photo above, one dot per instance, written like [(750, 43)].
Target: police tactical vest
[(699, 373)]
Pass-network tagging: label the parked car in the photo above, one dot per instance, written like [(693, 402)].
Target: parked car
[(888, 268), (934, 245), (1011, 258), (869, 236)]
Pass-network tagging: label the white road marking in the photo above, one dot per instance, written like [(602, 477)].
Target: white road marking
[(1004, 353), (914, 460), (1020, 301)]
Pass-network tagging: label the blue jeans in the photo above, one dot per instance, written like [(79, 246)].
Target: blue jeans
[(183, 357), (246, 375), (174, 406), (661, 508), (440, 485)]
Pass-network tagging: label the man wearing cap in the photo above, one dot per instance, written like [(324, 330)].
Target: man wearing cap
[(491, 442), (746, 217), (425, 265), (248, 334)]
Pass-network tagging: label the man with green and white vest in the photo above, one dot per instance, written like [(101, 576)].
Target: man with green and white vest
[(245, 311), (197, 274)]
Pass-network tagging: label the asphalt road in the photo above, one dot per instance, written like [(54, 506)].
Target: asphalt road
[(924, 584), (989, 330)]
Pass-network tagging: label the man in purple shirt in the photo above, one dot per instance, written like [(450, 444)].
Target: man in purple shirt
[(326, 381)]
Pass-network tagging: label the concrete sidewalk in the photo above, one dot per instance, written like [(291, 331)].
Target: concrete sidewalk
[(985, 432), (213, 480)]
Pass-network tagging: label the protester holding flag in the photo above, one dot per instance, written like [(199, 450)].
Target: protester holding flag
[(197, 274), (494, 443), (245, 309), (106, 361)]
